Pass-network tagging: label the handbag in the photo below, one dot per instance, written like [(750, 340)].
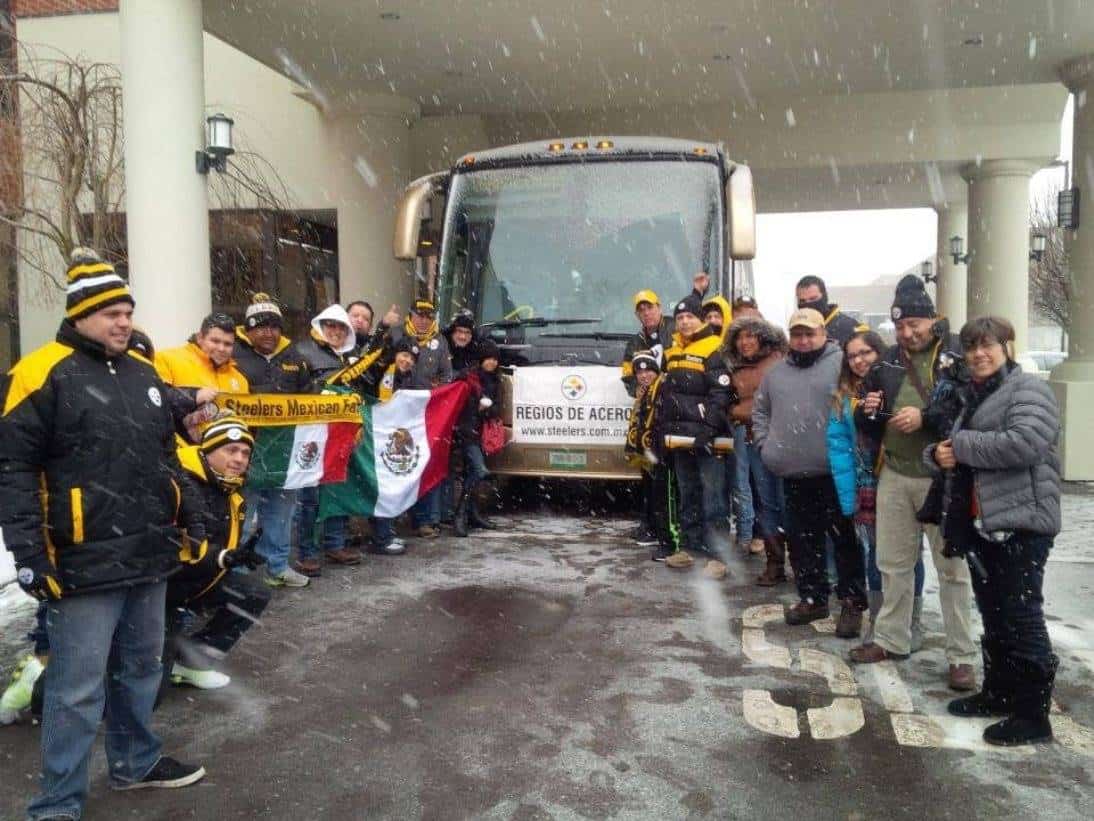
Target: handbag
[(493, 436)]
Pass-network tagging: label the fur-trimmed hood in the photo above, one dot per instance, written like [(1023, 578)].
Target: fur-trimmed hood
[(772, 337)]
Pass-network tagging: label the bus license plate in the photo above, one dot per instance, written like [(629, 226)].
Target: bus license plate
[(563, 459)]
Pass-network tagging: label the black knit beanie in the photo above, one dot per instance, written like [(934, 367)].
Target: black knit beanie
[(911, 300)]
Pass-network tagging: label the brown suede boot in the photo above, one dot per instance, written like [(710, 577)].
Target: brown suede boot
[(775, 572)]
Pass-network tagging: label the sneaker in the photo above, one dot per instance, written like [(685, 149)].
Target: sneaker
[(309, 567), (202, 679), (392, 548), (287, 578), (662, 554), (805, 612), (17, 696), (167, 774), (428, 532), (643, 536)]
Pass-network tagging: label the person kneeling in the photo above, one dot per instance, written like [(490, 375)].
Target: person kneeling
[(205, 588)]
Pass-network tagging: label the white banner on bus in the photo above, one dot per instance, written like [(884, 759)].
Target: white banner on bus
[(570, 406)]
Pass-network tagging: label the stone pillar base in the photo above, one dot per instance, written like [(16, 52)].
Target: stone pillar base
[(1076, 398)]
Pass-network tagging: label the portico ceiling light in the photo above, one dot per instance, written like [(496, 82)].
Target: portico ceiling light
[(218, 144), (926, 270), (974, 40), (390, 16)]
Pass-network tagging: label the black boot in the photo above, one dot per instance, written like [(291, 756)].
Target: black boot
[(1032, 701), (460, 524), (475, 517), (994, 698)]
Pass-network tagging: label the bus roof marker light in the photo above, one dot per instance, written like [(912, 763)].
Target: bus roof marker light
[(556, 147), (699, 151), (605, 144), (580, 145)]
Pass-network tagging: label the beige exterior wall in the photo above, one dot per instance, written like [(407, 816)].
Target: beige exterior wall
[(354, 162)]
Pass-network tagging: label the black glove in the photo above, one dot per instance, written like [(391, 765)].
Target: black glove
[(38, 578), (244, 555)]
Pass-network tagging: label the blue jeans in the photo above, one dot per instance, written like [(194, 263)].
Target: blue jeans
[(274, 511), (867, 536), (427, 510), (383, 531), (743, 509), (768, 507), (105, 649), (704, 514), (474, 463), (334, 528)]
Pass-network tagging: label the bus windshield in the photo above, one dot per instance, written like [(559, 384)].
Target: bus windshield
[(562, 248)]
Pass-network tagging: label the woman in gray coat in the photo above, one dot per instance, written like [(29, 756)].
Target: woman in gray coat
[(1001, 509)]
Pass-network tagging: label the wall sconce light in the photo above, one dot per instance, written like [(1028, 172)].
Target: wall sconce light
[(926, 270), (218, 144), (1067, 209), (957, 251), (1037, 246)]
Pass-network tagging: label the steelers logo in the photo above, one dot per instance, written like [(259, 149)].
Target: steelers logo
[(235, 434), (574, 387), (154, 396)]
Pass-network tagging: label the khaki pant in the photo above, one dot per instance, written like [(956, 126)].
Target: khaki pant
[(899, 541)]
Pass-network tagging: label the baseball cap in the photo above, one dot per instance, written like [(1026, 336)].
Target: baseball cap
[(646, 295), (806, 318)]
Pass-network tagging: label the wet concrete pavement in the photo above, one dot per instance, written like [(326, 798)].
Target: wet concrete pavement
[(550, 670)]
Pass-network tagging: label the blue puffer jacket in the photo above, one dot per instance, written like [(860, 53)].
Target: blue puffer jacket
[(852, 455)]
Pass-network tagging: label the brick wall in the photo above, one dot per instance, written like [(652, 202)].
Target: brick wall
[(49, 8)]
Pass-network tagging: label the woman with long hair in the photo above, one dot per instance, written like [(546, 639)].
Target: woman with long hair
[(853, 456), (1001, 509)]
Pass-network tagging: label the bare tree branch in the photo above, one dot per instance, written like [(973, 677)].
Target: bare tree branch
[(1050, 282)]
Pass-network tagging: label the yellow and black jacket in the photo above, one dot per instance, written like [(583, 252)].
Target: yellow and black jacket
[(89, 477), (658, 341), (217, 527), (189, 367), (695, 391), (285, 371)]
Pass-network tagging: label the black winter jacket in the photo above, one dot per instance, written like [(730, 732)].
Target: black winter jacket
[(323, 360), (839, 326), (216, 527), (89, 477), (888, 376), (482, 384), (286, 371), (658, 341), (695, 388)]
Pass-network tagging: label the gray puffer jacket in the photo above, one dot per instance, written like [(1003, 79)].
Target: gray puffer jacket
[(1011, 444)]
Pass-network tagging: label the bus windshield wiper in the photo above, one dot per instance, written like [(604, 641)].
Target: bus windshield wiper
[(598, 335), (537, 322)]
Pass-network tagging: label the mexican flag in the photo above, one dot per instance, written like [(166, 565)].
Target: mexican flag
[(402, 453), (300, 440)]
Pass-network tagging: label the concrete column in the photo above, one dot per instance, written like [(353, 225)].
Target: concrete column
[(167, 207), (1073, 381), (951, 286), (998, 243)]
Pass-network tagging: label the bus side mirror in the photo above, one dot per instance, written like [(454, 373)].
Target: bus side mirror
[(408, 216), (741, 203)]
